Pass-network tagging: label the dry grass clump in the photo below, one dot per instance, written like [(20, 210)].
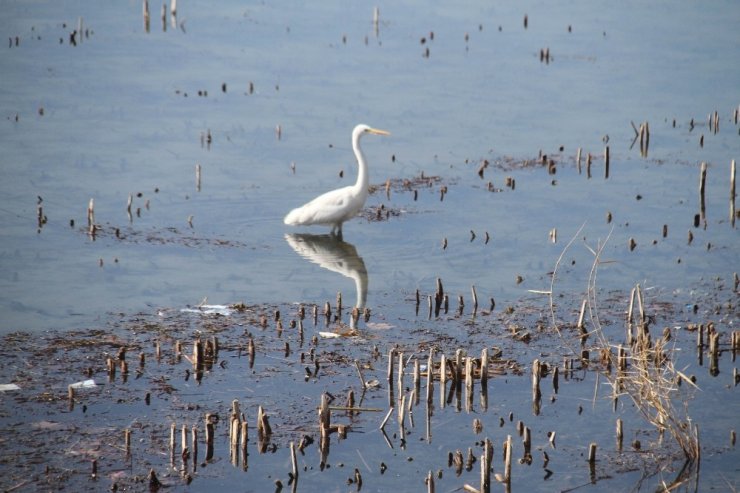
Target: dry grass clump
[(646, 373), (645, 367)]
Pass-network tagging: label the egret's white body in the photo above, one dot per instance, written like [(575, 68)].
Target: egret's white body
[(340, 205)]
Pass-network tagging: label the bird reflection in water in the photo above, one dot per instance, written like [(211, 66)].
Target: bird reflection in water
[(336, 255)]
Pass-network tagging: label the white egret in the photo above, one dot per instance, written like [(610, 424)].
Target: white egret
[(340, 205)]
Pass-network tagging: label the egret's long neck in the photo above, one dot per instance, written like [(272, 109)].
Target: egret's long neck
[(362, 173)]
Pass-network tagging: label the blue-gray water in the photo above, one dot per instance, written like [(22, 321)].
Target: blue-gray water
[(116, 121), (121, 114)]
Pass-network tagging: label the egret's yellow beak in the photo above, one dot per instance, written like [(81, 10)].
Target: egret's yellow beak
[(378, 132)]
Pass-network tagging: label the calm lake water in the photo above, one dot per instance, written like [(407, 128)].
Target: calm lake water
[(122, 115), (130, 112)]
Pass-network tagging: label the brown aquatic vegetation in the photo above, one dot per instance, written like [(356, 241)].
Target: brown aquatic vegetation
[(642, 370)]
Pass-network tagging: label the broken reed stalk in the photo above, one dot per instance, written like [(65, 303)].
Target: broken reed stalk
[(644, 136), (484, 367), (235, 411), (536, 371), (250, 350), (173, 431), (244, 439), (127, 440), (234, 430), (91, 213), (640, 306), (578, 160), (458, 370), (430, 377), (475, 299), (198, 353), (350, 400), (486, 457), (154, 483), (359, 372), (606, 162), (385, 420), (209, 437), (507, 460), (194, 443), (293, 461), (732, 192), (469, 382), (442, 380), (164, 17), (263, 424), (400, 374), (417, 377), (391, 354), (592, 453), (630, 317), (324, 416), (430, 482), (702, 186), (438, 297), (184, 441), (402, 414), (714, 353), (581, 325)]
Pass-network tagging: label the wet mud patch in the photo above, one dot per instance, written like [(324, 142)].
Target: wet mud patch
[(404, 186), (160, 236)]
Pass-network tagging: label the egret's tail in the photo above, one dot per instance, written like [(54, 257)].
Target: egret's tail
[(293, 218)]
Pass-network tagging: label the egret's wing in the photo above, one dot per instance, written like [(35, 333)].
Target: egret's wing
[(328, 208)]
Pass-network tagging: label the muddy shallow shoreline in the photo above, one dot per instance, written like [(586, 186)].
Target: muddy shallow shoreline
[(58, 438)]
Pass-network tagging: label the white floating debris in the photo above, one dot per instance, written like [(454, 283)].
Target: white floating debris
[(210, 310), (8, 386), (85, 384), (329, 335), (370, 384)]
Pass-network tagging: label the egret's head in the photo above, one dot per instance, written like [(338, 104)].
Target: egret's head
[(366, 129)]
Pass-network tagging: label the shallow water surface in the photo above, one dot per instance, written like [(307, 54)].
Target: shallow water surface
[(263, 97), (122, 115)]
